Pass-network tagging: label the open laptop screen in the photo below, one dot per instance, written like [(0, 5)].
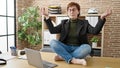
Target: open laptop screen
[(34, 58)]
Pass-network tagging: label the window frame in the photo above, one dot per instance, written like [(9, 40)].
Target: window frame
[(7, 35)]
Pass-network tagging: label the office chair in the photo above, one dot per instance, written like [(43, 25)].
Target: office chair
[(0, 52)]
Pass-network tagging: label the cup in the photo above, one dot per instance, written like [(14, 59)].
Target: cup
[(13, 51), (20, 52)]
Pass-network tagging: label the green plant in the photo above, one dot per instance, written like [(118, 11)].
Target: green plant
[(29, 26), (94, 39)]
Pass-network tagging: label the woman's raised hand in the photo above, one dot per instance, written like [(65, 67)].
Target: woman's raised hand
[(44, 13), (106, 13)]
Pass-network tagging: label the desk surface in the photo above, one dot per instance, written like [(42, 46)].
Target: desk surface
[(93, 62)]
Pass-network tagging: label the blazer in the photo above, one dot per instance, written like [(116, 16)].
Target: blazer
[(83, 28)]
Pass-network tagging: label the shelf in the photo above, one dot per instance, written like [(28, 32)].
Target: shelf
[(92, 15), (67, 15), (96, 47), (54, 15)]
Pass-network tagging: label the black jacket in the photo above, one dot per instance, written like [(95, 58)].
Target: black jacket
[(83, 28)]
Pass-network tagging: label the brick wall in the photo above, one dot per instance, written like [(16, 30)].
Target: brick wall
[(111, 46), (112, 31)]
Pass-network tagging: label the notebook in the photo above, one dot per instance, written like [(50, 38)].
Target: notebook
[(6, 56), (34, 58)]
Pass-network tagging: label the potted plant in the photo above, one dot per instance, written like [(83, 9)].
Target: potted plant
[(94, 41), (29, 27)]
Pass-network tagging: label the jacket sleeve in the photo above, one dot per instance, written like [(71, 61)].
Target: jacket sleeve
[(52, 29), (97, 28)]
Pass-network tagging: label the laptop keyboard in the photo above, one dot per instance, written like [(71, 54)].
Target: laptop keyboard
[(47, 64)]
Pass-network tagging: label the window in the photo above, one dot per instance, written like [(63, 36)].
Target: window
[(7, 24)]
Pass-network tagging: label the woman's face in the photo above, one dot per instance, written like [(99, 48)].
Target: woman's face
[(73, 12)]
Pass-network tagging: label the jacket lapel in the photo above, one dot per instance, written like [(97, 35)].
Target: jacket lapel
[(79, 26), (67, 27)]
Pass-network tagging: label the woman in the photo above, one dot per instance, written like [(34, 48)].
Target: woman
[(73, 44)]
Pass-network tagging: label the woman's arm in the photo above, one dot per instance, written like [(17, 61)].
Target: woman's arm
[(52, 29), (97, 28), (100, 23)]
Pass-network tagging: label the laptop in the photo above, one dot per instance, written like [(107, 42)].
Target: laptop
[(34, 58)]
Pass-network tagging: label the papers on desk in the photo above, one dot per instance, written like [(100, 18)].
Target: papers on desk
[(24, 57), (6, 56)]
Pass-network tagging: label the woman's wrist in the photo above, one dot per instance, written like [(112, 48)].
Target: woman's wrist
[(102, 17), (46, 16)]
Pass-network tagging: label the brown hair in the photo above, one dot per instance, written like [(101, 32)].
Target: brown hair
[(74, 4)]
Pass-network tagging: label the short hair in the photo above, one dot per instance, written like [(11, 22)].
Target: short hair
[(74, 4)]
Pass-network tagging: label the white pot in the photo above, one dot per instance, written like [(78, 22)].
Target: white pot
[(94, 44)]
